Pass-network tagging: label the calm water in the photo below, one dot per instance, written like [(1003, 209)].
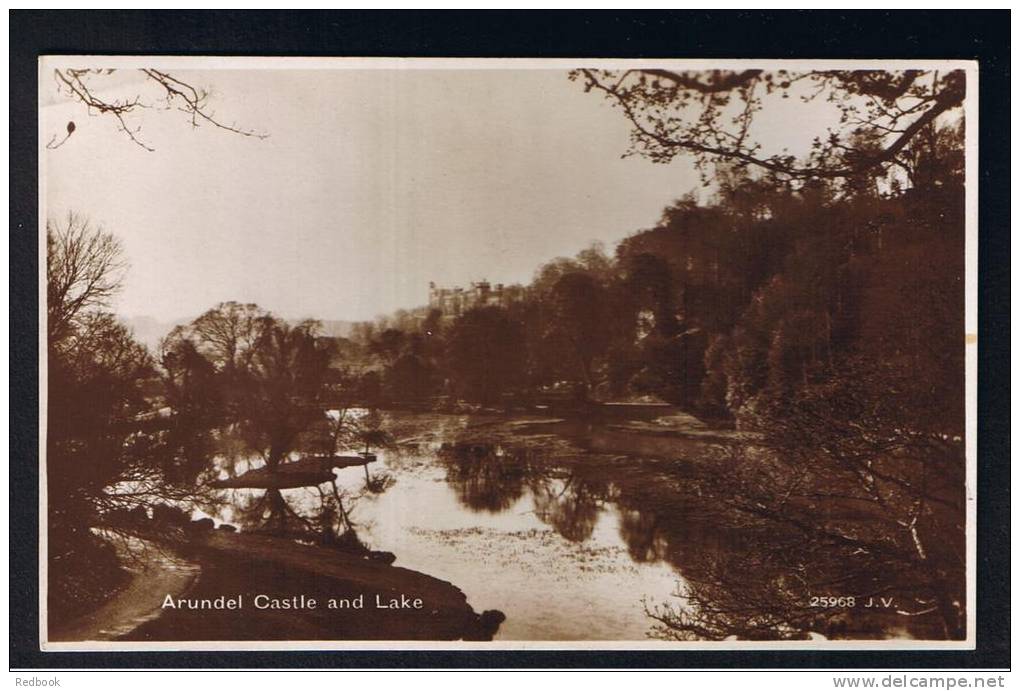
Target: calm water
[(522, 520), (577, 531)]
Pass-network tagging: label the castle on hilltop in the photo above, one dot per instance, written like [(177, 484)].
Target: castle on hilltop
[(452, 302)]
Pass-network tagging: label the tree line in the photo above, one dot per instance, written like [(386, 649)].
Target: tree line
[(720, 308)]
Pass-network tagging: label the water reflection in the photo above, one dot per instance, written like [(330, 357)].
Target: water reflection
[(486, 477), (569, 499), (734, 578), (571, 506), (646, 539), (569, 541)]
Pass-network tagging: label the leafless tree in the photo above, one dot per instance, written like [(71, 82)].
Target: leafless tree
[(227, 334), (165, 91), (711, 114), (84, 268)]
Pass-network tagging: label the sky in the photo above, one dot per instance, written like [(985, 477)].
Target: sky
[(371, 184)]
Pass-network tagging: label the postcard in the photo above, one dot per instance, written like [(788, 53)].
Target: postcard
[(507, 354)]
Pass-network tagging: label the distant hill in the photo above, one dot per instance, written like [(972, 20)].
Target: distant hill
[(148, 330), (334, 327)]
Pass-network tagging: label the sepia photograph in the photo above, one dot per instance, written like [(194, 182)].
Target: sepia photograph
[(508, 354)]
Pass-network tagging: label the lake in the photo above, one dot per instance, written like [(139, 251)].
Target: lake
[(524, 516), (583, 530)]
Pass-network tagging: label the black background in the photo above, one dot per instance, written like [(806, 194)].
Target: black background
[(977, 35)]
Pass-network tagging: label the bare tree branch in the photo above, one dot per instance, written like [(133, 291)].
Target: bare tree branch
[(711, 115), (172, 93), (84, 266)]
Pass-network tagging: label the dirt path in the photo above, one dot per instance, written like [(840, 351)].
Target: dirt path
[(219, 564), (155, 572), (251, 566)]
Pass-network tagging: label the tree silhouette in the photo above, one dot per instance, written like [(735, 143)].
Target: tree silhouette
[(84, 269), (711, 114), (485, 354), (110, 458)]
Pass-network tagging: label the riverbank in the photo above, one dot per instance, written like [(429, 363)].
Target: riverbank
[(352, 598), (281, 590)]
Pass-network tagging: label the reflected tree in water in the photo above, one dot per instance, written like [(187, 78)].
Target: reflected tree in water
[(645, 538), (486, 477), (571, 506)]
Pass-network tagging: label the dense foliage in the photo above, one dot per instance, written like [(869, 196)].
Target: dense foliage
[(723, 306)]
